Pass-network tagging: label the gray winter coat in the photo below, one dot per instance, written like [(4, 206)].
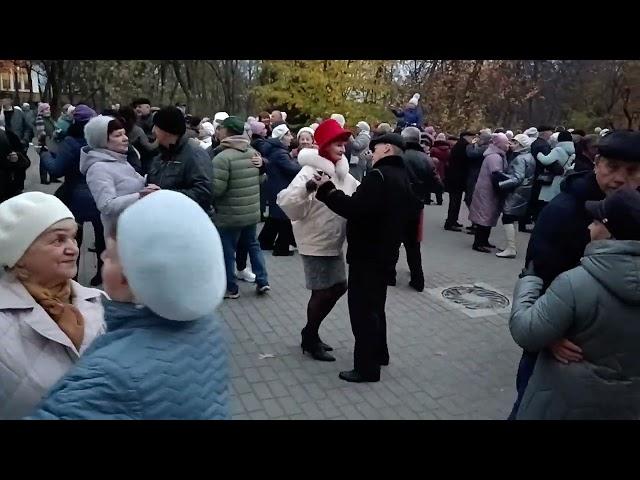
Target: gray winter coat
[(113, 182), (360, 149), (596, 306), (522, 171)]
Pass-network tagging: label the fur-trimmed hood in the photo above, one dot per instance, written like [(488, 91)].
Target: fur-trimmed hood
[(310, 156)]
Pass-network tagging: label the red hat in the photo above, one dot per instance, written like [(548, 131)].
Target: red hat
[(328, 132)]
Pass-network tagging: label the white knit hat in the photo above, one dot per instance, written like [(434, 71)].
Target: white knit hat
[(95, 131), (313, 126), (308, 130), (522, 142), (339, 118), (509, 134), (171, 255), (280, 131), (219, 117), (414, 100), (363, 126), (23, 219), (531, 132)]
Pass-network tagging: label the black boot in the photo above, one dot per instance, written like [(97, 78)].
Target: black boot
[(328, 348), (356, 377), (314, 347)]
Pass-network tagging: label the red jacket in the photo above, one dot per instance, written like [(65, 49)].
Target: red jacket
[(440, 151)]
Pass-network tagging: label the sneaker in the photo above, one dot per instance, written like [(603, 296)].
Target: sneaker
[(246, 275), (232, 295), (263, 289)]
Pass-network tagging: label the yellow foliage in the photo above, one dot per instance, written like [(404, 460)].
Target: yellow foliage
[(358, 89)]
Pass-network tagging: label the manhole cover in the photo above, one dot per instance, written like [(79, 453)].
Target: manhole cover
[(475, 297)]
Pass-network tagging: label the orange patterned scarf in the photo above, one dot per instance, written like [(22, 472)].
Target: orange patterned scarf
[(56, 302)]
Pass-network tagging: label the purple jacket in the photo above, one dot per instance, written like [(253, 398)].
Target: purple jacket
[(486, 205)]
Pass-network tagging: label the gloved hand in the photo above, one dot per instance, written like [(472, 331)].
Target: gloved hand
[(311, 186)]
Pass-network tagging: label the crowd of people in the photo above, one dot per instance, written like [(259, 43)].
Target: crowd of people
[(203, 185)]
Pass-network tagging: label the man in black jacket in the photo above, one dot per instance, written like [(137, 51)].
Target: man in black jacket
[(561, 232), (424, 180), (377, 216), (180, 165), (13, 165), (455, 179)]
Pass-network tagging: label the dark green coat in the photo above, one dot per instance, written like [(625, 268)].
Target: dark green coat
[(236, 184)]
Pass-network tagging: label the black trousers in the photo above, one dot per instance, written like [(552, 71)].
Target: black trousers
[(276, 233), (414, 256), (367, 296), (455, 202)]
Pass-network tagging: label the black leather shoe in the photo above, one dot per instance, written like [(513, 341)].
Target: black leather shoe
[(282, 254), (458, 224), (452, 228), (356, 377), (482, 249), (417, 286), (488, 245), (384, 361)]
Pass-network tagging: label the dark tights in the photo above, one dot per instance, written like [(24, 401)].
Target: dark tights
[(319, 306)]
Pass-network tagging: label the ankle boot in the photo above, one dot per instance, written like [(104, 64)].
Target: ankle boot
[(313, 346), (510, 234)]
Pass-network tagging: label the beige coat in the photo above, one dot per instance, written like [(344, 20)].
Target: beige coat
[(34, 352), (318, 231)]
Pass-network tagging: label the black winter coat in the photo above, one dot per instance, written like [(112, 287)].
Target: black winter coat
[(561, 232), (540, 145), (421, 172), (12, 174), (187, 169), (455, 177), (281, 169), (582, 163), (377, 213)]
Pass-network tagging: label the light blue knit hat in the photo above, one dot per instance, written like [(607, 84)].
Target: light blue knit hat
[(171, 255)]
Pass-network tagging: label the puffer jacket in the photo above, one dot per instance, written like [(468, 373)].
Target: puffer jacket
[(281, 170), (113, 182), (521, 172), (597, 307), (236, 184), (564, 154), (145, 367), (318, 231), (34, 352)]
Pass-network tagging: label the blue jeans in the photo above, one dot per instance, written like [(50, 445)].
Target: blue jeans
[(525, 371), (247, 236)]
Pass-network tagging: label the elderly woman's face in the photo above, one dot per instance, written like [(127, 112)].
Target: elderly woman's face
[(305, 140), (51, 258)]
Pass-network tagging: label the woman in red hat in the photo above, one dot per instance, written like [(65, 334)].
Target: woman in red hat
[(320, 233)]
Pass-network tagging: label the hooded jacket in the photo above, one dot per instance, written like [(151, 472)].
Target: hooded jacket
[(597, 307), (236, 184), (281, 170), (318, 231), (113, 182)]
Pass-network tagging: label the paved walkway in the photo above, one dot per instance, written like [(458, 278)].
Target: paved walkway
[(444, 363)]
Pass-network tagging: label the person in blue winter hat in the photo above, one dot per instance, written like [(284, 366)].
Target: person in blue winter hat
[(163, 355)]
